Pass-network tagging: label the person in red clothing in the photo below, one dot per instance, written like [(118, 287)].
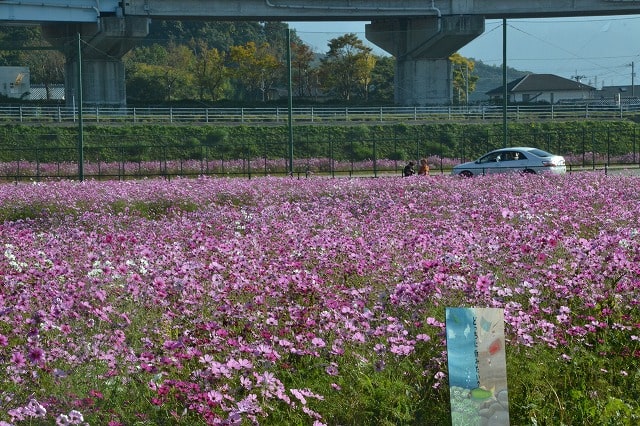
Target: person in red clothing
[(424, 168)]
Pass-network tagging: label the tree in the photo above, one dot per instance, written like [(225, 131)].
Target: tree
[(151, 55), (146, 83), (464, 82), (46, 67), (14, 38), (27, 48), (217, 34), (301, 58), (346, 69), (168, 77), (210, 72), (382, 79), (256, 68)]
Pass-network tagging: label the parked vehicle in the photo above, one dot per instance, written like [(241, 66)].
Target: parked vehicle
[(515, 159)]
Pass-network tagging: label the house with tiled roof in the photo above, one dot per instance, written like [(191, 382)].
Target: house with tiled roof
[(548, 88)]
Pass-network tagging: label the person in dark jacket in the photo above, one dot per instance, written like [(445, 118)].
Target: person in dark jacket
[(409, 170)]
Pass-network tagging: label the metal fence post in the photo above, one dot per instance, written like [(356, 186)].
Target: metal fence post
[(608, 146), (584, 134), (634, 145), (375, 158), (593, 149)]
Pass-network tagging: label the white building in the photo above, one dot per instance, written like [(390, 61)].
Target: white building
[(548, 88), (14, 82)]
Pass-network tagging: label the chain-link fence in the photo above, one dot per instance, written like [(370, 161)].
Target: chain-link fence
[(354, 153)]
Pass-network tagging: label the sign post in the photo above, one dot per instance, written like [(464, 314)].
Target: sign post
[(477, 366)]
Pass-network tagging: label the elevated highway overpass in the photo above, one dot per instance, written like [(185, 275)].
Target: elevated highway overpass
[(420, 34)]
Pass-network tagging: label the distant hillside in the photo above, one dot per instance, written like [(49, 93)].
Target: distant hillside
[(490, 77)]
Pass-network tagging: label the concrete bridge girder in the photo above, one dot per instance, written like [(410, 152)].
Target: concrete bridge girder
[(103, 46), (422, 47), (419, 33)]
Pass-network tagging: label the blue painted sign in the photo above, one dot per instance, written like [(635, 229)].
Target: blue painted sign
[(477, 367)]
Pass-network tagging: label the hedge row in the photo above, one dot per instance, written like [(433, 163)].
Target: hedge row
[(348, 142)]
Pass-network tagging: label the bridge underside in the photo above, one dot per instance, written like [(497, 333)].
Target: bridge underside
[(421, 34), (102, 47), (304, 10)]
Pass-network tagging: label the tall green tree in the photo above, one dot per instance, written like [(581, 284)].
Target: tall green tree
[(463, 80), (303, 73), (346, 68), (382, 79), (210, 72)]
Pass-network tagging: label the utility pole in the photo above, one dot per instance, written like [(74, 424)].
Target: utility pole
[(80, 118), (578, 77), (633, 75), (290, 101), (505, 92)]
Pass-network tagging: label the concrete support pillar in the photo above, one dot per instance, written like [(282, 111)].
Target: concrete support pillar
[(422, 47), (421, 82), (102, 48), (103, 82)]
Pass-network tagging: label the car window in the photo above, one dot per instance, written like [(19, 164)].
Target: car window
[(492, 157), (517, 156), (512, 156), (540, 153)]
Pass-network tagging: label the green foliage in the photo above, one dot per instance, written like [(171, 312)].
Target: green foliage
[(347, 67), (587, 389), (217, 136), (464, 79), (382, 75), (257, 67)]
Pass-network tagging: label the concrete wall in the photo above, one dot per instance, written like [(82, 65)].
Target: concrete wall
[(553, 96)]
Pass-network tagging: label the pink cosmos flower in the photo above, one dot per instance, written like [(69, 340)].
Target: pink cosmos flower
[(358, 337), (36, 355), (332, 369), (63, 420), (423, 337), (318, 342), (75, 417)]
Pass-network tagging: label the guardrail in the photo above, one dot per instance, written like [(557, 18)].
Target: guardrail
[(174, 115)]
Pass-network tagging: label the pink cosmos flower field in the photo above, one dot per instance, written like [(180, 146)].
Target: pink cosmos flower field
[(315, 301)]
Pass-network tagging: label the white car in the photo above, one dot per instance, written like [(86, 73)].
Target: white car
[(517, 159)]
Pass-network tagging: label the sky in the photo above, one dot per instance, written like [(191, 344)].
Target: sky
[(601, 51)]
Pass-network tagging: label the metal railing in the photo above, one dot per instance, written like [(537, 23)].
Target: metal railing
[(333, 159), (141, 115)]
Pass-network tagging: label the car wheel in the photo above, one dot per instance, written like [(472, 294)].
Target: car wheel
[(528, 172), (466, 173)]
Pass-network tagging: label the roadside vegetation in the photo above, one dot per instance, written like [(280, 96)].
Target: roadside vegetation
[(583, 140)]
